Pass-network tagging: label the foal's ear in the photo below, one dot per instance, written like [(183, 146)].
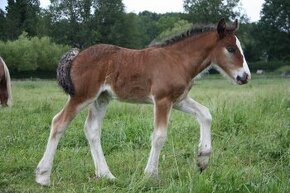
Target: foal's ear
[(221, 28), (236, 24), (232, 27)]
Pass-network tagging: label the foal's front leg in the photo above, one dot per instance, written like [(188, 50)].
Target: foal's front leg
[(162, 110), (204, 118)]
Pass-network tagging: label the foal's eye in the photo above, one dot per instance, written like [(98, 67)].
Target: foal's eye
[(231, 49)]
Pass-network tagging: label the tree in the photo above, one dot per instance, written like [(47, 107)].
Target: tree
[(66, 17), (210, 11), (246, 34), (178, 27), (273, 30), (22, 15), (2, 25), (88, 34), (148, 25), (110, 19), (167, 21), (133, 36), (44, 23), (276, 14)]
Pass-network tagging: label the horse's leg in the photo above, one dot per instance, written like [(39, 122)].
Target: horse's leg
[(4, 98), (93, 134), (162, 110), (204, 118), (3, 92), (58, 126)]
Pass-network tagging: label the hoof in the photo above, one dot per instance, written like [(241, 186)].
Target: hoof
[(107, 175), (202, 161), (42, 180), (151, 174), (42, 177)]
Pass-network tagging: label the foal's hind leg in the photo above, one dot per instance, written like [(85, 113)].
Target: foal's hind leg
[(204, 118), (93, 134), (58, 126)]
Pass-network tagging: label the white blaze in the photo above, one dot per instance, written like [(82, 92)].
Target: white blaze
[(245, 68)]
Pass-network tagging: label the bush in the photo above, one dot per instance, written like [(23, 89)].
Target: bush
[(30, 54), (179, 27), (283, 69), (269, 66)]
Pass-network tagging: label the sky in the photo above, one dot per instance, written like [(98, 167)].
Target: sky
[(252, 8)]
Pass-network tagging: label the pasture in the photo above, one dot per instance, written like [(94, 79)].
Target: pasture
[(250, 132)]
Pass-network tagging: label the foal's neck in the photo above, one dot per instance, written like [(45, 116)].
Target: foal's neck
[(195, 51)]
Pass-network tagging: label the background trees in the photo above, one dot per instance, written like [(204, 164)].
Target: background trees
[(21, 16), (81, 23), (204, 11), (274, 35), (69, 21)]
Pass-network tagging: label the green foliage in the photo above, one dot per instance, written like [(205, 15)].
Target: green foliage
[(22, 15), (151, 25), (250, 135), (48, 53), (270, 37), (210, 11), (178, 27), (72, 22), (147, 25), (82, 23), (110, 20), (276, 13), (2, 24), (283, 69), (274, 30), (168, 20), (269, 66), (133, 37), (19, 54), (28, 54)]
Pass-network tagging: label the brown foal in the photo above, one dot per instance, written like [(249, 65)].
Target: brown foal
[(161, 74)]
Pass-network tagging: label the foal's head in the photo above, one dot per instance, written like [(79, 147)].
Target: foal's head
[(228, 55)]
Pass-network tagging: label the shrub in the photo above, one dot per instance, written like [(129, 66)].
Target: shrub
[(283, 69), (179, 27), (30, 54), (269, 66)]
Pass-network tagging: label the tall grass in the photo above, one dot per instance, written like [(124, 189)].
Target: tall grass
[(250, 131)]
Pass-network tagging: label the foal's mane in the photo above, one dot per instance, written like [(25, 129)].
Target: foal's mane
[(193, 31)]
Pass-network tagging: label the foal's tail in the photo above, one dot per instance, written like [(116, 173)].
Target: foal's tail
[(8, 82), (63, 71)]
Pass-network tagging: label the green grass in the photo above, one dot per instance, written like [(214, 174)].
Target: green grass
[(250, 131)]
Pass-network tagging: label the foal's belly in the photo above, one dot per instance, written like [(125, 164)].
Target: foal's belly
[(132, 93)]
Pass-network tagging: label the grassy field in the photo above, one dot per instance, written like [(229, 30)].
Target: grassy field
[(250, 131)]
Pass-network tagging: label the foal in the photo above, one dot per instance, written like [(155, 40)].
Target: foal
[(5, 85), (161, 74)]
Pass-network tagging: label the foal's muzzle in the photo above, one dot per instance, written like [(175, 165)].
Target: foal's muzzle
[(243, 79)]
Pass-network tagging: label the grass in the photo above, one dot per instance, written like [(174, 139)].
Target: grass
[(250, 131)]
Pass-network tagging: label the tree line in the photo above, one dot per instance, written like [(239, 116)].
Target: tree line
[(33, 38)]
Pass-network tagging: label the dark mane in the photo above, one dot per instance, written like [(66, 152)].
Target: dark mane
[(193, 31)]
